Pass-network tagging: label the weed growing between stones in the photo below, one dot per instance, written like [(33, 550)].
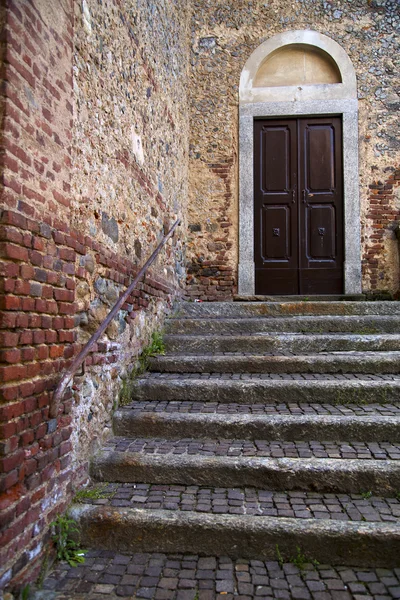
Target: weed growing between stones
[(97, 493), (300, 560), (25, 592), (67, 548), (43, 570), (155, 348), (279, 556), (366, 495)]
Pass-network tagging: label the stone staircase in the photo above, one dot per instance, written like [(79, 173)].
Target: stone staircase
[(266, 428)]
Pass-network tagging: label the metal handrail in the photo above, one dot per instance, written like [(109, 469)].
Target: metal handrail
[(78, 360)]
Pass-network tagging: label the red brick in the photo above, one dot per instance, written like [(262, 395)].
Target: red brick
[(27, 354), (51, 336), (11, 356), (10, 303), (8, 286), (12, 372), (60, 198), (28, 304), (9, 393), (10, 163), (17, 151), (42, 352), (7, 482), (56, 351), (8, 250), (32, 195), (11, 462)]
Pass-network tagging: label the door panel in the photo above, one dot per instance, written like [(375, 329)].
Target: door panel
[(321, 206), (275, 233), (276, 167), (298, 206), (319, 150), (321, 238), (275, 236)]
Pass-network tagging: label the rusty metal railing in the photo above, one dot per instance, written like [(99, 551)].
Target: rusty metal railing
[(78, 360)]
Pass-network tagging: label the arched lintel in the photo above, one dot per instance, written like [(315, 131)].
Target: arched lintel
[(346, 89)]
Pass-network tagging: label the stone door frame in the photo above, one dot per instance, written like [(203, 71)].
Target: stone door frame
[(339, 99)]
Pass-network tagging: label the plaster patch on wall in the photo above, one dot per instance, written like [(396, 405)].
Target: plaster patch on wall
[(137, 147), (86, 18)]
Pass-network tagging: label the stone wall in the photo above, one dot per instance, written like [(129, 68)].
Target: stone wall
[(94, 161), (223, 36)]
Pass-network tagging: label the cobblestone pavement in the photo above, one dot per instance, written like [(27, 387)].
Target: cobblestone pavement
[(282, 376), (249, 501), (292, 408), (260, 448), (183, 577)]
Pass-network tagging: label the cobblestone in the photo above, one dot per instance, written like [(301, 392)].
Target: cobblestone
[(259, 448), (249, 501), (181, 577), (292, 408)]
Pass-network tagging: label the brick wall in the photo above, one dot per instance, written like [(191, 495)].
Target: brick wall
[(37, 278), (79, 213), (380, 240), (211, 275)]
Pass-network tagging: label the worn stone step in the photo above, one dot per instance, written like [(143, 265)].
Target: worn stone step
[(263, 309), (337, 362), (112, 574), (261, 464), (297, 343), (249, 426), (363, 507), (361, 325), (333, 389), (310, 298), (135, 530)]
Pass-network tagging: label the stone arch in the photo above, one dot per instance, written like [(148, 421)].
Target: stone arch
[(336, 95)]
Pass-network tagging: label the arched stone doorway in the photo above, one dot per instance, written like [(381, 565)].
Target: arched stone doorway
[(295, 76)]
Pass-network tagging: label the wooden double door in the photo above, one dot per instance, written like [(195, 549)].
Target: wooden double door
[(298, 206)]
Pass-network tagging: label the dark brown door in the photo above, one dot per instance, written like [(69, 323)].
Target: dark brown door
[(298, 206)]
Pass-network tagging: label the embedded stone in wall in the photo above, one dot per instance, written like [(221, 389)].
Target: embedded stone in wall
[(110, 227)]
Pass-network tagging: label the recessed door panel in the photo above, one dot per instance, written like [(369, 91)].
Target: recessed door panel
[(275, 233), (298, 206), (319, 143), (321, 238), (276, 159)]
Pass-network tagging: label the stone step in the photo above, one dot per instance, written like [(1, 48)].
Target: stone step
[(133, 530), (337, 362), (297, 343), (112, 574), (310, 298), (284, 309), (324, 467), (361, 325), (362, 507), (372, 427), (225, 388)]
